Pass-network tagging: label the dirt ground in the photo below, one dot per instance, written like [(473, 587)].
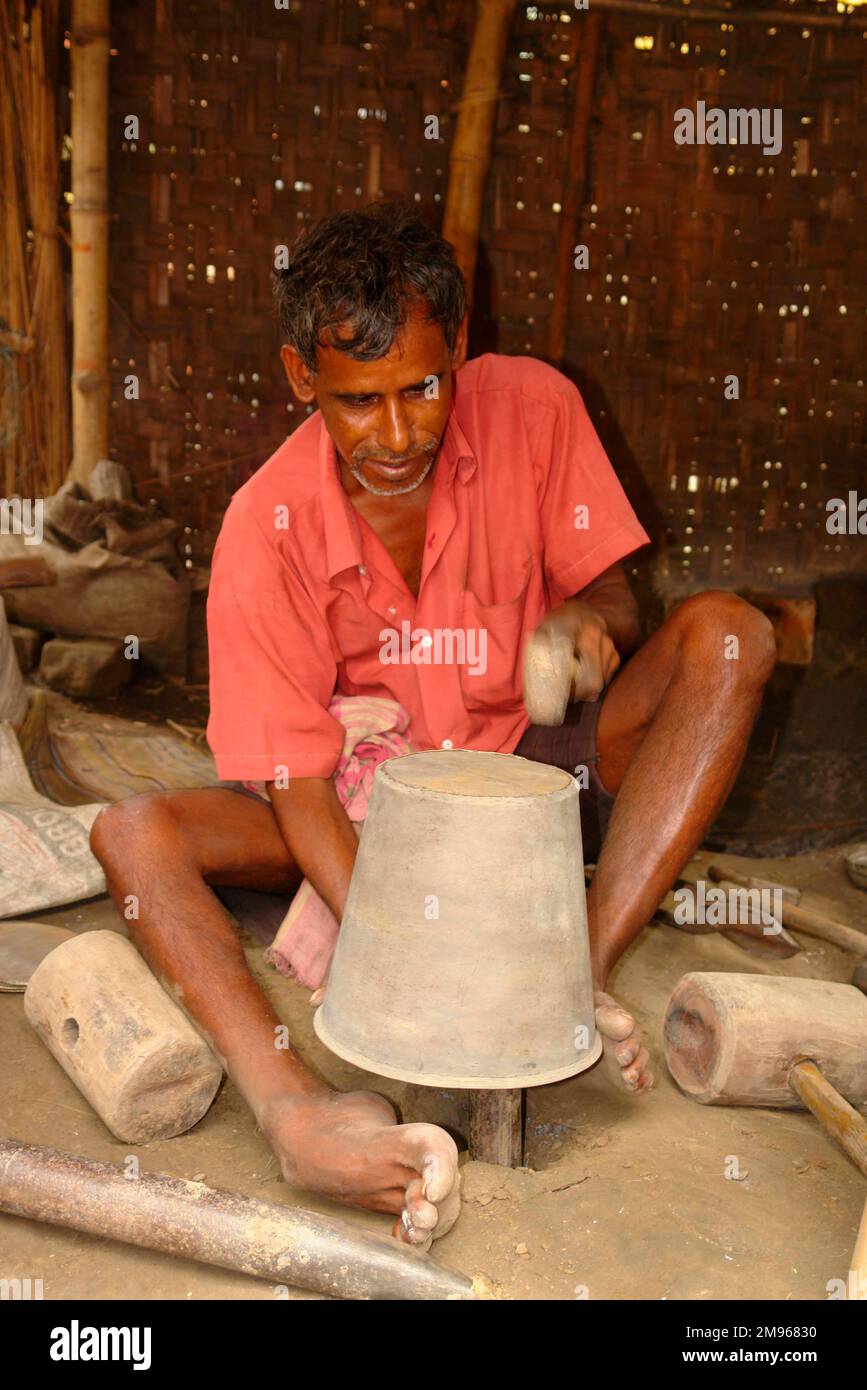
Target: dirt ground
[(622, 1197)]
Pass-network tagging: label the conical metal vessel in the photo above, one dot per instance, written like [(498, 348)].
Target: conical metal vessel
[(463, 958)]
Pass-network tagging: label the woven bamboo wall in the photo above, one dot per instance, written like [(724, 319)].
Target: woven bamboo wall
[(704, 260)]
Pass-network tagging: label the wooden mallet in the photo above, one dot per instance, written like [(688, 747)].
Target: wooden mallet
[(766, 1040)]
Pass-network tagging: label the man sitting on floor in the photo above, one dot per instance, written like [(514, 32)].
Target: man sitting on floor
[(446, 495)]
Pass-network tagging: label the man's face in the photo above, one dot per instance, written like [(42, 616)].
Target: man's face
[(386, 417)]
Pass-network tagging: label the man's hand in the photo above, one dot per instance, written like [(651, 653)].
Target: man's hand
[(596, 657), (570, 656), (349, 1146), (622, 1040)]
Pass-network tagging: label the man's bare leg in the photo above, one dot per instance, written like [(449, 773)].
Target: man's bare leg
[(672, 734), (161, 851)]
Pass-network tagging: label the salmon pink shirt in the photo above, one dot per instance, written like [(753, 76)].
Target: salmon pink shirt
[(305, 602)]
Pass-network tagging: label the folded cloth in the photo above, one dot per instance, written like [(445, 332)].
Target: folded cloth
[(375, 731)]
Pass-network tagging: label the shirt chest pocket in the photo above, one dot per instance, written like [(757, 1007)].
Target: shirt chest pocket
[(491, 675)]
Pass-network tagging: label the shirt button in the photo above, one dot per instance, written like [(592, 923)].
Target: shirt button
[(446, 743), (362, 569), (392, 609), (427, 640)]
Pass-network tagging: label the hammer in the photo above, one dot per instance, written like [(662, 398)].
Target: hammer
[(550, 668), (772, 1041), (805, 919)]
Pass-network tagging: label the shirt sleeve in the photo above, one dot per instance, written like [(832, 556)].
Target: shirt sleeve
[(587, 522), (272, 669)]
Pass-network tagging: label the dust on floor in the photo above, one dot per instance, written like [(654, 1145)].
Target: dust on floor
[(622, 1197)]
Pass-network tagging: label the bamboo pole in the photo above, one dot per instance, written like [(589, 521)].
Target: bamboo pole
[(89, 219), (649, 9), (34, 430), (577, 164), (471, 147)]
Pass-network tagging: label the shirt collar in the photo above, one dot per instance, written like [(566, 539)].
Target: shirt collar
[(342, 539)]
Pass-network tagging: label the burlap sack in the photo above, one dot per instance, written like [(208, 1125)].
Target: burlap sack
[(45, 855), (99, 593)]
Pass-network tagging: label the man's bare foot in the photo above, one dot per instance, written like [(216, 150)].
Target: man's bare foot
[(349, 1146), (622, 1040)]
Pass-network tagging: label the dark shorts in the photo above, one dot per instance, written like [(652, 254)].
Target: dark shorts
[(572, 746)]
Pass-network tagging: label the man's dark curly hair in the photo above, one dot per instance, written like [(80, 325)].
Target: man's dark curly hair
[(367, 269)]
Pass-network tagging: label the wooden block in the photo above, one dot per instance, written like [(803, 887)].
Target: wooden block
[(127, 1046), (85, 666), (496, 1127)]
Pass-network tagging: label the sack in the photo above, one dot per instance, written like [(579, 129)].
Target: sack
[(99, 593), (45, 855)]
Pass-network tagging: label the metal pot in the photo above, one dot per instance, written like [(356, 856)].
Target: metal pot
[(463, 957)]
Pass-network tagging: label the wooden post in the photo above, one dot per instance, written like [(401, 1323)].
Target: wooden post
[(471, 146), (496, 1127), (858, 1264), (574, 192), (89, 221)]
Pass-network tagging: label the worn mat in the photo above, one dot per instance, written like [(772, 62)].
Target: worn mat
[(114, 765), (74, 756)]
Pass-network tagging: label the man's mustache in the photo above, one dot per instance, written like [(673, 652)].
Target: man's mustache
[(363, 455)]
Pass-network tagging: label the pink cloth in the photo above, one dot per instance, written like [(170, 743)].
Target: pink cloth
[(374, 731)]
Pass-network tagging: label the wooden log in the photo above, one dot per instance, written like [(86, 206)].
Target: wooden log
[(574, 191), (470, 154), (496, 1127), (733, 1039), (284, 1244), (89, 219), (119, 1036)]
